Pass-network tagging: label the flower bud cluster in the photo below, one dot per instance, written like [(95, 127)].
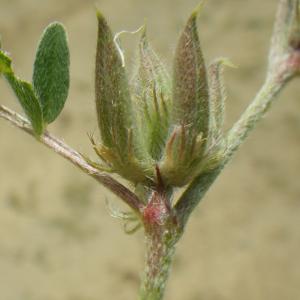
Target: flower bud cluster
[(173, 124)]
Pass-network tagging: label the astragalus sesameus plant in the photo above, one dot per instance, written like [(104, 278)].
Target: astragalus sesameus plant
[(159, 132)]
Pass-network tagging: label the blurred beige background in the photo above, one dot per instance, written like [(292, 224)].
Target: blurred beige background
[(57, 240)]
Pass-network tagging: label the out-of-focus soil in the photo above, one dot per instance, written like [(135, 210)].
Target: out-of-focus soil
[(57, 240)]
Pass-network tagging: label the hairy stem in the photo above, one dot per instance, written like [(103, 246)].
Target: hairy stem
[(161, 234), (160, 249), (255, 112), (75, 158), (236, 135)]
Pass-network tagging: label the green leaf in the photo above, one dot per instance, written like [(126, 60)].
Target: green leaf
[(51, 71), (5, 62), (24, 92)]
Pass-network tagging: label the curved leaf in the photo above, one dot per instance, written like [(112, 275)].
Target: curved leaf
[(5, 62), (24, 92)]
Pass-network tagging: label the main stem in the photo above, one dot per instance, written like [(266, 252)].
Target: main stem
[(160, 249), (162, 231)]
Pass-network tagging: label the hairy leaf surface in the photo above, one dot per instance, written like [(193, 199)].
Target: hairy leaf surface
[(51, 71)]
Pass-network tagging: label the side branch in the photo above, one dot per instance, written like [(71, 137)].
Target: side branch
[(284, 65), (254, 112), (236, 135), (75, 158)]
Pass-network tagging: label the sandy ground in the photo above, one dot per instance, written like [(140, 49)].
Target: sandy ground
[(57, 240)]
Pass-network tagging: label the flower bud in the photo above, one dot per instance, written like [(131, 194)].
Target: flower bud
[(190, 88), (151, 90), (217, 97), (112, 93), (114, 110), (191, 109)]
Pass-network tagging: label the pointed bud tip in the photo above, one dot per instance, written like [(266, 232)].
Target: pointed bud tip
[(144, 27), (99, 15), (143, 30), (192, 20), (143, 43), (226, 62), (197, 10)]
